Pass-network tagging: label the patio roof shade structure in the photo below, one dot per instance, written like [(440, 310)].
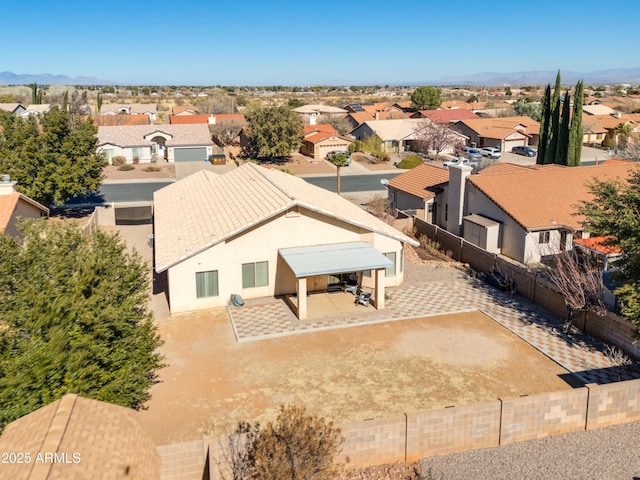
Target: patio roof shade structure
[(333, 258)]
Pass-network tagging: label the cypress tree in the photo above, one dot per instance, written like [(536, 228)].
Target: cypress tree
[(545, 122), (65, 101), (576, 134), (552, 143), (562, 147)]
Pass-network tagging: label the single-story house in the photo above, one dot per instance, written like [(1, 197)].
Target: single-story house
[(416, 190), (121, 119), (147, 143), (76, 437), (358, 118), (503, 133), (318, 140), (258, 232), (149, 109), (599, 250), (311, 113), (445, 116), (207, 118), (36, 110), (14, 206), (396, 135), (184, 110), (523, 212), (15, 108)]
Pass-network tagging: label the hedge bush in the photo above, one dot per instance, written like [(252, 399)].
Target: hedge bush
[(118, 160), (411, 161)]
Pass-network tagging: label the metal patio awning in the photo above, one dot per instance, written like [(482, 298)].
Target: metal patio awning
[(333, 258)]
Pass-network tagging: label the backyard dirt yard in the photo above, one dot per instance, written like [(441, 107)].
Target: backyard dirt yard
[(349, 374)]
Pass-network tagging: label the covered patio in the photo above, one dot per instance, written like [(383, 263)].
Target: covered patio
[(309, 263)]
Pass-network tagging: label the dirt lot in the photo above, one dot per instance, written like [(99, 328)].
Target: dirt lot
[(349, 374), (167, 170)]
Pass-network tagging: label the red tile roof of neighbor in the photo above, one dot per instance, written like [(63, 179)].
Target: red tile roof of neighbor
[(421, 180), (598, 244), (547, 196), (8, 204), (320, 136), (204, 118), (321, 127)]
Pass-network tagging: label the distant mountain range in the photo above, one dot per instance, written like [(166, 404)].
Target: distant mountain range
[(10, 78), (598, 77)]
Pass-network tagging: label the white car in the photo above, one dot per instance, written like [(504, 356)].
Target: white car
[(460, 161), (491, 152)]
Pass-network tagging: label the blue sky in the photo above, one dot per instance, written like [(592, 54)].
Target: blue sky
[(195, 42)]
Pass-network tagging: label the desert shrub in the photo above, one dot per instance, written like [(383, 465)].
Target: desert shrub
[(380, 156), (411, 161), (286, 170), (356, 146), (118, 160), (606, 143), (126, 168), (151, 168), (136, 160), (429, 245)]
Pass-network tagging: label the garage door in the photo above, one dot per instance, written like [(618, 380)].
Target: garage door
[(190, 154), (509, 144)]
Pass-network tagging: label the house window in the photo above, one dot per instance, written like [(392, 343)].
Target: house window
[(207, 284), (391, 271), (255, 274), (543, 237), (137, 152), (108, 152), (366, 273)]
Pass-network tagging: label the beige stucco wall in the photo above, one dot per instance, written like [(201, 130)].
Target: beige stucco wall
[(127, 152), (23, 210), (294, 229)]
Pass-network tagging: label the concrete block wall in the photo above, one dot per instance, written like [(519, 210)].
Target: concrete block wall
[(453, 429), (374, 442), (613, 403), (544, 414)]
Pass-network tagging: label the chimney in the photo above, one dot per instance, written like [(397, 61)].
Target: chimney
[(211, 120), (455, 197), (7, 187), (312, 119), (377, 116)]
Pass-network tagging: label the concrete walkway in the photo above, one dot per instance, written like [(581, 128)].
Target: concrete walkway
[(580, 354)]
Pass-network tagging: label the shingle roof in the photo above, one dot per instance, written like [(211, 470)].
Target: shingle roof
[(548, 196), (133, 135), (401, 129), (8, 205), (421, 180), (107, 439), (204, 209), (134, 108), (10, 107)]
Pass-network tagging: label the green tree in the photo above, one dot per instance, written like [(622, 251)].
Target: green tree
[(563, 131), (615, 210), (507, 91), (65, 101), (339, 160), (296, 446), (623, 131), (545, 124), (576, 134), (274, 132), (294, 103), (528, 109), (606, 143), (99, 102), (552, 144), (53, 163), (426, 98), (74, 319)]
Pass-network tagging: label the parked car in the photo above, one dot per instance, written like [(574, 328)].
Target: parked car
[(526, 151), (491, 152), (472, 153), (460, 161), (343, 152)]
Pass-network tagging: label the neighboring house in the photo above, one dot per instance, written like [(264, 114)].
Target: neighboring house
[(598, 250), (404, 107), (313, 112), (396, 135), (149, 109), (15, 108), (534, 208), (207, 118), (321, 139), (147, 143), (445, 116), (36, 110), (593, 130), (370, 107), (610, 124), (14, 206), (598, 110), (358, 118), (259, 232), (416, 190), (121, 119), (503, 133), (89, 438)]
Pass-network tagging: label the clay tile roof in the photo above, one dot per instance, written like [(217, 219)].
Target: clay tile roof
[(204, 209), (598, 244), (445, 116), (320, 136), (321, 127), (547, 196), (204, 118), (421, 181), (107, 440)]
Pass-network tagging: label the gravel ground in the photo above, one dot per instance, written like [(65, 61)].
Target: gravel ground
[(605, 454)]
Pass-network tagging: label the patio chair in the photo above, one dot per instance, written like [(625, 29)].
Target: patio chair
[(352, 284), (362, 298)]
